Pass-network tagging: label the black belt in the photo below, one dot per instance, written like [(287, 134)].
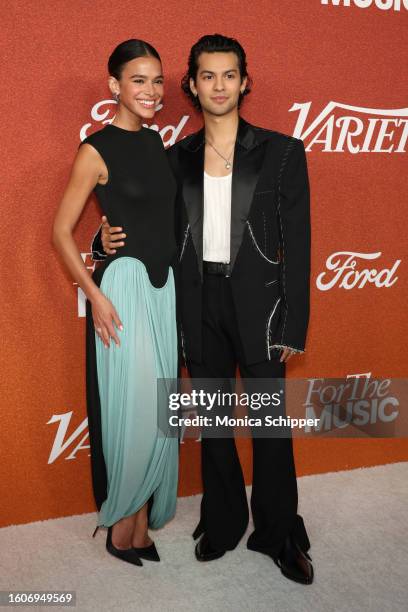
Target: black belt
[(217, 268)]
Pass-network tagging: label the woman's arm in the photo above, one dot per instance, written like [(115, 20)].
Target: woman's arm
[(88, 169)]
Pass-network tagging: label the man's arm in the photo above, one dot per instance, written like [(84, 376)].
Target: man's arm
[(294, 226)]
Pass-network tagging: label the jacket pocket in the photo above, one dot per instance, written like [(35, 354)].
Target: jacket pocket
[(260, 250)]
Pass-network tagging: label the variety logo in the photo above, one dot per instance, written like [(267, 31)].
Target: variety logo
[(358, 130), (76, 441), (102, 111), (384, 5), (341, 271)]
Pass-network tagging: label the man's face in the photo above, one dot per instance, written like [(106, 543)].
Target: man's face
[(218, 82)]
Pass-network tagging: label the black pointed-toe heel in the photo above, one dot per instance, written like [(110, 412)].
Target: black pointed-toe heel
[(148, 552), (94, 533), (129, 554)]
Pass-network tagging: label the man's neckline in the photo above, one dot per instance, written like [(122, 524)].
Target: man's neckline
[(210, 176)]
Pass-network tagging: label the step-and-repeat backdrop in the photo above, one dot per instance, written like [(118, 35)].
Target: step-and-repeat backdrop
[(331, 72)]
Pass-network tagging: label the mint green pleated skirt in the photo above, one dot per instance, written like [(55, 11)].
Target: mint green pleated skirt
[(140, 460)]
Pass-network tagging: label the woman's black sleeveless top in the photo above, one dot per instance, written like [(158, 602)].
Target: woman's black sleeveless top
[(139, 196)]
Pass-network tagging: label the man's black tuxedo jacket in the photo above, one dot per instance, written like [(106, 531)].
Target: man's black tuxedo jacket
[(270, 241)]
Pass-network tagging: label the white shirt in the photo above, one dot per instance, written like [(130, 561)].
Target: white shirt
[(217, 218)]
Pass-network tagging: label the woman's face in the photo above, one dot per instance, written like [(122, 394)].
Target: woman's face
[(140, 87)]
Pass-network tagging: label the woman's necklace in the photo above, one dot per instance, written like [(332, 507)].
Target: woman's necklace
[(226, 159)]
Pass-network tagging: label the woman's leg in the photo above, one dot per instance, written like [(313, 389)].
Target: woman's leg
[(140, 537), (132, 530), (122, 532)]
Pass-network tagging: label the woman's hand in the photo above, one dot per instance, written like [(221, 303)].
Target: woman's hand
[(105, 318), (110, 237)]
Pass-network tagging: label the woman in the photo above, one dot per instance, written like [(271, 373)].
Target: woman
[(131, 300)]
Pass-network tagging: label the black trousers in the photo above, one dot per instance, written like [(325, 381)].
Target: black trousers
[(224, 508)]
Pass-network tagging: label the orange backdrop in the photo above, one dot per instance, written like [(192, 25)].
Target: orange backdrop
[(323, 71)]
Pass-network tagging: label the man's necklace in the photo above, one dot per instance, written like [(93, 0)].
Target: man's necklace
[(226, 159)]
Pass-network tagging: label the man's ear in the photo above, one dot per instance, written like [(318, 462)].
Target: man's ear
[(244, 84), (193, 87)]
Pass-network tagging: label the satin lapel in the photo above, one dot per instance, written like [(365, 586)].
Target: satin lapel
[(246, 170), (193, 194)]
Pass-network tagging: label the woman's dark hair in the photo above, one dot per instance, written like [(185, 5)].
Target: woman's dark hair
[(127, 51), (214, 43)]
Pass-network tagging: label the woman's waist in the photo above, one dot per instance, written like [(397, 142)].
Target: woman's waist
[(157, 269)]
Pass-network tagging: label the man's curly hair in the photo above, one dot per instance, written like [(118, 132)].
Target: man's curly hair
[(213, 43)]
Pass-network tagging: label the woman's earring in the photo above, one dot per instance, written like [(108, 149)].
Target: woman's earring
[(116, 96)]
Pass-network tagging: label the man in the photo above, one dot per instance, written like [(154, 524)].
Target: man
[(244, 251)]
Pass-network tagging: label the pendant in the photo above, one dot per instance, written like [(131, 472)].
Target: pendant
[(228, 165)]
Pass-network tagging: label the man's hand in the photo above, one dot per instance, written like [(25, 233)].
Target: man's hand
[(286, 355), (110, 237)]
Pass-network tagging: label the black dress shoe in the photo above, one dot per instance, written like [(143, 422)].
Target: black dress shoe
[(148, 552), (204, 551), (198, 531), (294, 563)]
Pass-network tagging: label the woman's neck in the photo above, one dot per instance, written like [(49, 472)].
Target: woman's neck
[(127, 120)]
